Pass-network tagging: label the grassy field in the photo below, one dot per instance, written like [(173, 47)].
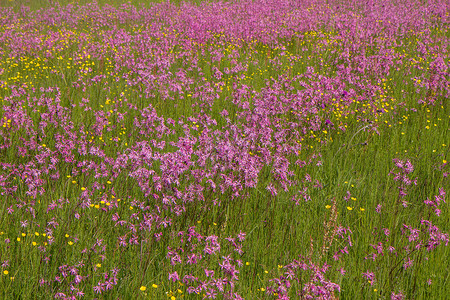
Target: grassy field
[(228, 150)]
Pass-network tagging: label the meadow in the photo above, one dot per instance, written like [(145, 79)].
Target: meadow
[(265, 149)]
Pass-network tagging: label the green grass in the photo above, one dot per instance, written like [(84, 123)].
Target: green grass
[(357, 160)]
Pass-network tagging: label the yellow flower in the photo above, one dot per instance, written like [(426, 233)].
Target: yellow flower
[(155, 286), (349, 208), (70, 243), (98, 265), (143, 288), (6, 272), (444, 161), (361, 209), (328, 206), (247, 264)]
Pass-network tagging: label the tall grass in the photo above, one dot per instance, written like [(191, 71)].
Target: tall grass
[(256, 150)]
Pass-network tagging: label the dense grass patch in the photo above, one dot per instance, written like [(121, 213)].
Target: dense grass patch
[(230, 150)]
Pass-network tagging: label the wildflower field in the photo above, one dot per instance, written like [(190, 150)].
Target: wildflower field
[(265, 149)]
